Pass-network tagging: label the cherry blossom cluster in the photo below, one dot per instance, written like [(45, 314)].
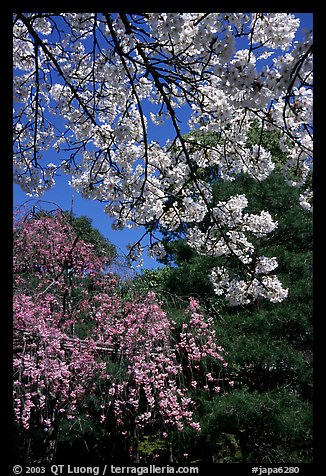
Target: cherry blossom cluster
[(242, 291), (50, 377), (91, 86), (227, 238), (198, 341), (133, 358), (145, 340), (306, 200), (61, 252)]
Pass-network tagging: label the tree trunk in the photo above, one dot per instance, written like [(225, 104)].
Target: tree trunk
[(50, 442)]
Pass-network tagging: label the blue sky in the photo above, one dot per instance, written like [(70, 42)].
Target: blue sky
[(62, 193)]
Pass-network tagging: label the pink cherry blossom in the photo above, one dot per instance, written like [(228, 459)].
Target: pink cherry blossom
[(55, 369)]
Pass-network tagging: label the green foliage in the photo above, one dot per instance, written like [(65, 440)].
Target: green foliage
[(188, 278), (151, 446), (243, 426), (85, 230), (267, 416), (86, 441), (269, 427)]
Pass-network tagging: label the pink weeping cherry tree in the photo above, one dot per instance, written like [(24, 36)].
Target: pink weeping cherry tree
[(60, 284)]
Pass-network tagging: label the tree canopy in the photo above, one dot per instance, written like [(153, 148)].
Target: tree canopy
[(88, 85)]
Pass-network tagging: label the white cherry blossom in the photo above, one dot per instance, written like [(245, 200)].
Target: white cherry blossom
[(91, 85)]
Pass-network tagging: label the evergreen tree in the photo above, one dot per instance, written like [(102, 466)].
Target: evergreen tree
[(267, 417)]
